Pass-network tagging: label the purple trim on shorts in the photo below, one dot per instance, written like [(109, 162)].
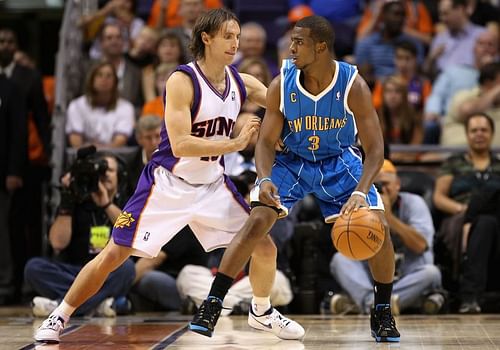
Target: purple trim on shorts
[(239, 198), (195, 108), (224, 95), (125, 234), (239, 82)]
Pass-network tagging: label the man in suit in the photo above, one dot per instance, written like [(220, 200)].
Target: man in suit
[(13, 151), (26, 205)]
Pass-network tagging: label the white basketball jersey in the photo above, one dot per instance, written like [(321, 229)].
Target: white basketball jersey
[(213, 115)]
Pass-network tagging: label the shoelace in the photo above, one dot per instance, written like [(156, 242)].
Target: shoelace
[(209, 311), (53, 322), (386, 320), (279, 319)]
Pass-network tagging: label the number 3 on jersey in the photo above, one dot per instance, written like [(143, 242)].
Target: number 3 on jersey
[(314, 140)]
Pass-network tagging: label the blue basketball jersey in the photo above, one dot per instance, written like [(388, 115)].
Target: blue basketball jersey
[(317, 126)]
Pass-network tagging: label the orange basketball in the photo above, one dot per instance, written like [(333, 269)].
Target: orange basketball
[(358, 236)]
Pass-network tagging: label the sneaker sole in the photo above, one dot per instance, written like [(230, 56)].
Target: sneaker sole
[(385, 339), (200, 330), (47, 341)]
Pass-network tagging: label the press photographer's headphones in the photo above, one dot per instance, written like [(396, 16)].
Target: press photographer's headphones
[(122, 170)]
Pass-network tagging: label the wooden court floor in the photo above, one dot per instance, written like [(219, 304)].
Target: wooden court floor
[(162, 331)]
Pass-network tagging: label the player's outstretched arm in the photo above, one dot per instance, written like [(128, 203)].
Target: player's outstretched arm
[(179, 98), (370, 133), (256, 91), (269, 134)]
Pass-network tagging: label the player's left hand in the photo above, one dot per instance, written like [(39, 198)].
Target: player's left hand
[(353, 204), (100, 197), (268, 194)]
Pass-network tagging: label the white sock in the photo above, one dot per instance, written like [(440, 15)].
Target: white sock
[(64, 310), (260, 305)]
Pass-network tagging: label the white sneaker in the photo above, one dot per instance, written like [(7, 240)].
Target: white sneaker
[(105, 308), (43, 307), (274, 322), (50, 330)]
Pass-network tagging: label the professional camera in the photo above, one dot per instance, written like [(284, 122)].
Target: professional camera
[(85, 173)]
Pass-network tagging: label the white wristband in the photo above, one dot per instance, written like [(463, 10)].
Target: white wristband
[(359, 193)]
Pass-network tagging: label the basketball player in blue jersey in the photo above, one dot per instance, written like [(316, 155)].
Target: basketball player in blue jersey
[(317, 106), (184, 183)]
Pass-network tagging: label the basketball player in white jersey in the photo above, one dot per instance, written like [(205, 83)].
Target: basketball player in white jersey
[(184, 183)]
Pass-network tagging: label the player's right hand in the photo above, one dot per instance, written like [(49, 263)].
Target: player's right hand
[(250, 128), (268, 194)]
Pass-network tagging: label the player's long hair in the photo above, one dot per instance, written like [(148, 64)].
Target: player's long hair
[(320, 30), (210, 23)]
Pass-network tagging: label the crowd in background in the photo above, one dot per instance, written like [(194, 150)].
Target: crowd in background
[(434, 71)]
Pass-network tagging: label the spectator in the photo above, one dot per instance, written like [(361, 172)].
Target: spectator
[(258, 68), (13, 159), (453, 79), (142, 51), (171, 51), (80, 231), (190, 10), (155, 106), (400, 123), (374, 54), (25, 215), (418, 23), (167, 13), (100, 116), (455, 44), (405, 61), (129, 75), (344, 16), (417, 278), (484, 13), (119, 12), (467, 184), (253, 41), (484, 98), (147, 134)]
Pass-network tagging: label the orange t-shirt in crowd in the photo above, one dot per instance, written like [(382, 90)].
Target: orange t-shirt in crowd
[(153, 107), (417, 17), (172, 17)]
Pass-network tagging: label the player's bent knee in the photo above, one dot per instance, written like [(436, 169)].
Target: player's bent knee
[(112, 257)]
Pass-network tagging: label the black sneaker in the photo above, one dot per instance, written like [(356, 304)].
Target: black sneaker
[(383, 326), (206, 318)]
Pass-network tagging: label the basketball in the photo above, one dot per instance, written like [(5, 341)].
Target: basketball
[(358, 236)]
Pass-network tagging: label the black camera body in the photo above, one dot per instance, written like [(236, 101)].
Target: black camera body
[(85, 173)]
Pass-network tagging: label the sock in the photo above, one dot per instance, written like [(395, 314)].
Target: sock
[(220, 286), (382, 293), (64, 310), (260, 305)]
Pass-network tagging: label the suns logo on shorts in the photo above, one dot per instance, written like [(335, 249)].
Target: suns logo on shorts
[(124, 220)]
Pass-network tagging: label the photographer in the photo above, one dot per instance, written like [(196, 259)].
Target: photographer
[(417, 279), (90, 204)]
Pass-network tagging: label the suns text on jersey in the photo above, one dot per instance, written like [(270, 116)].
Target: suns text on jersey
[(207, 128), (315, 122)]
